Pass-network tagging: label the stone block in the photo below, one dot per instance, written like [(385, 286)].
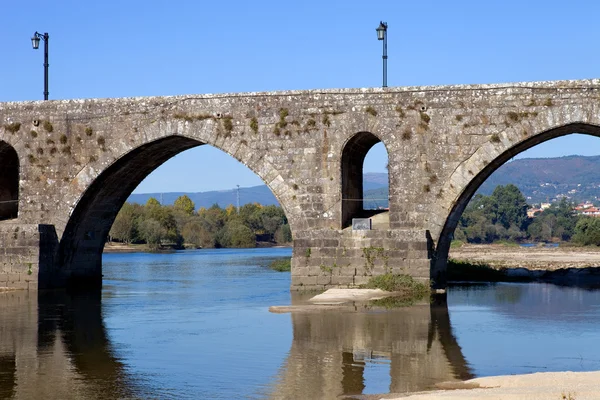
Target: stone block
[(324, 280), (304, 280), (342, 280), (361, 280), (19, 285)]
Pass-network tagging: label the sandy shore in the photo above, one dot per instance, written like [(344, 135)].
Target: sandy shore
[(538, 386), (529, 257)]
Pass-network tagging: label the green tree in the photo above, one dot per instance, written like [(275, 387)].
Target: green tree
[(557, 221), (164, 215), (185, 205), (152, 202), (123, 228), (283, 234), (509, 207), (236, 234), (501, 216), (194, 233), (152, 232), (214, 218), (587, 231)]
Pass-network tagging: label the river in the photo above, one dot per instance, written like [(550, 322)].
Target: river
[(196, 325)]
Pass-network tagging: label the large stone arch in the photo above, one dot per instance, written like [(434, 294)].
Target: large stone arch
[(79, 254), (480, 172), (9, 181), (353, 153)]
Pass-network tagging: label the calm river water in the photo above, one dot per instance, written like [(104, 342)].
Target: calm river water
[(196, 325)]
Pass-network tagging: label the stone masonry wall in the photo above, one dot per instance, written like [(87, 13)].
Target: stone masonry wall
[(79, 159), (19, 256), (325, 258)]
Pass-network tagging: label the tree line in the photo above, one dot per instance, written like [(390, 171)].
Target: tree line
[(180, 225), (502, 216)]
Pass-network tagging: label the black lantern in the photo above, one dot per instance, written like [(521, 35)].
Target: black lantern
[(35, 43), (381, 29)]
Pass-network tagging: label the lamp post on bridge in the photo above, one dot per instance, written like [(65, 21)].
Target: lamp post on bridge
[(35, 42), (382, 35)]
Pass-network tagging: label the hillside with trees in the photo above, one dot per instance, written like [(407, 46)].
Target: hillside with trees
[(502, 216), (545, 179)]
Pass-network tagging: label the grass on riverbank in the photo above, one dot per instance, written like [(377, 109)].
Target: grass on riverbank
[(281, 265)]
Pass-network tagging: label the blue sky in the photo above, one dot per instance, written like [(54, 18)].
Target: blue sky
[(146, 48)]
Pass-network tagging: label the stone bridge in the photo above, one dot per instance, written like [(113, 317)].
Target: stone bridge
[(66, 167)]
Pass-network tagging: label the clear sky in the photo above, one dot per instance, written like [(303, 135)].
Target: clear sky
[(129, 48)]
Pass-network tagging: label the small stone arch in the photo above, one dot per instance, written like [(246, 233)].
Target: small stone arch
[(483, 173), (9, 182), (353, 156)]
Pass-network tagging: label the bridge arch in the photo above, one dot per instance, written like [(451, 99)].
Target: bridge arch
[(79, 253), (9, 181), (354, 151), (439, 263)]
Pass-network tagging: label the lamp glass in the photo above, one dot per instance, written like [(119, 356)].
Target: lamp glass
[(35, 42), (380, 32)]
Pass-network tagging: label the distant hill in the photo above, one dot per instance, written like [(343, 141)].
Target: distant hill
[(545, 179), (539, 179), (255, 194)]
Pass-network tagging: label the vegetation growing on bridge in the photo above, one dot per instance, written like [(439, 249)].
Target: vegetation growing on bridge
[(13, 127), (181, 225), (281, 265), (399, 283)]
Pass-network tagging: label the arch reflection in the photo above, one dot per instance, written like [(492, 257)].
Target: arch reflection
[(332, 352), (54, 346)]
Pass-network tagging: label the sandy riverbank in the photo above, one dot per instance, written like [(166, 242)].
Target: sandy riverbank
[(113, 247), (538, 386), (528, 257), (124, 248)]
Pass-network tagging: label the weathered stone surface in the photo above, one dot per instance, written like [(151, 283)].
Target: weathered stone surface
[(78, 160)]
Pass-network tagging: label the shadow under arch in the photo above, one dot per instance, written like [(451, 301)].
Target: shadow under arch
[(9, 182), (78, 261), (440, 261), (353, 157)]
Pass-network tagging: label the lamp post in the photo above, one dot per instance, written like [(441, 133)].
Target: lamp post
[(382, 35), (35, 42)]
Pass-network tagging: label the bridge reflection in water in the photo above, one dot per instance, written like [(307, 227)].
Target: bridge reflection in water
[(333, 350), (54, 346)]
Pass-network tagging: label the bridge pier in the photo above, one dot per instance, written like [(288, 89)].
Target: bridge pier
[(30, 260), (327, 258), (19, 255)]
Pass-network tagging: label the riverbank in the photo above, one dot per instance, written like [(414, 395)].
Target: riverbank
[(538, 386), (533, 258), (115, 247), (577, 266)]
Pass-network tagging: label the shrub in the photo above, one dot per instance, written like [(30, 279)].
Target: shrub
[(398, 283), (281, 265)]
